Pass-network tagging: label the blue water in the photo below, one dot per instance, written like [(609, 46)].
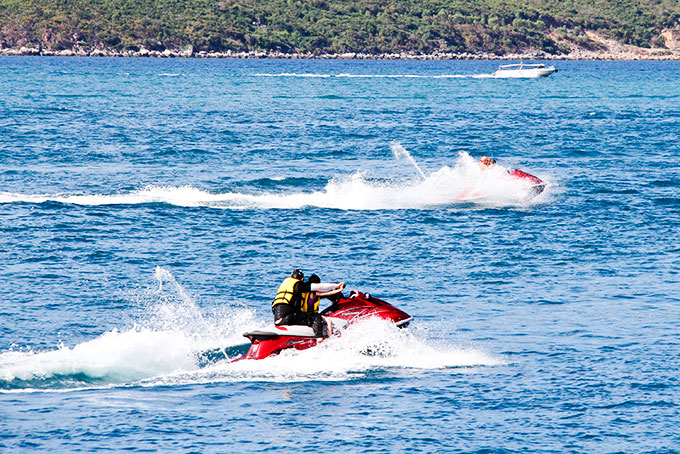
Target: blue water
[(149, 209)]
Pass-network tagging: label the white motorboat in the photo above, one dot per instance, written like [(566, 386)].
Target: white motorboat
[(523, 70)]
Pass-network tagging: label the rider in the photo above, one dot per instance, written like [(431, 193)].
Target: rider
[(297, 302), (309, 303), (486, 162)]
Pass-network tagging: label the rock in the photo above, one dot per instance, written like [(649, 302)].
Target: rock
[(29, 51), (671, 38), (188, 52)]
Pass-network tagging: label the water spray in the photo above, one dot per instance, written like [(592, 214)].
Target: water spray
[(401, 152), (188, 302)]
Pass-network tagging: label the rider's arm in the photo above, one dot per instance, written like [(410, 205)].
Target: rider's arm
[(326, 286)]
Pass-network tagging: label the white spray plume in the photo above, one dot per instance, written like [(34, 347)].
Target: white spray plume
[(400, 152)]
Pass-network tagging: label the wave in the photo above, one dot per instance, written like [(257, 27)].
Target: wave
[(462, 183), (172, 334)]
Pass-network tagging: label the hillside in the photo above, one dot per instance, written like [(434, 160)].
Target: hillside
[(498, 27)]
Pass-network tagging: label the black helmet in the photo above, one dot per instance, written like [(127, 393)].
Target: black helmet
[(313, 279), (297, 274)]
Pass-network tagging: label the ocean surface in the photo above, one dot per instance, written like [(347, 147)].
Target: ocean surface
[(149, 209)]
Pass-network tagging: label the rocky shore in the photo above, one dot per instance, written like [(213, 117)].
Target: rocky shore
[(607, 50)]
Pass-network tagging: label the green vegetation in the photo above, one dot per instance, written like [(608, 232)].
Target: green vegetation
[(334, 26)]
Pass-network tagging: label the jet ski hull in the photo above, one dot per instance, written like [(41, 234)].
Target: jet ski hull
[(358, 306), (522, 179), (537, 185)]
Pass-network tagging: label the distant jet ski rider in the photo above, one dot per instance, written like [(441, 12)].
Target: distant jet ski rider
[(297, 301), (486, 162)]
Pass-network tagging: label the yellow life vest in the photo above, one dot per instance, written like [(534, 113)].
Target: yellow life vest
[(285, 293), (305, 301)]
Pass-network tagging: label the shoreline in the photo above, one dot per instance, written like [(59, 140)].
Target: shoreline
[(576, 54)]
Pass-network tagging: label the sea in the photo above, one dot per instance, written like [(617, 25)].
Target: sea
[(150, 208)]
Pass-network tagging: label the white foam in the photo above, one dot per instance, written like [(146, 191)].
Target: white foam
[(181, 196), (364, 347), (170, 333), (165, 344), (464, 182), (114, 357), (154, 358)]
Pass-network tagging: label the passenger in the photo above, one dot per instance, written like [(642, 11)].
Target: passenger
[(309, 303), (486, 162), (321, 290), (297, 302)]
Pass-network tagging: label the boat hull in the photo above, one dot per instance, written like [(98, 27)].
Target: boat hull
[(524, 73)]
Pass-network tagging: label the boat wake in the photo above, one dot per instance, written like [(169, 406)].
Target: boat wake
[(463, 183), (166, 346), (377, 76)]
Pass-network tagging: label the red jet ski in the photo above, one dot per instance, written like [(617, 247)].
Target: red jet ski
[(537, 185), (342, 313)]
